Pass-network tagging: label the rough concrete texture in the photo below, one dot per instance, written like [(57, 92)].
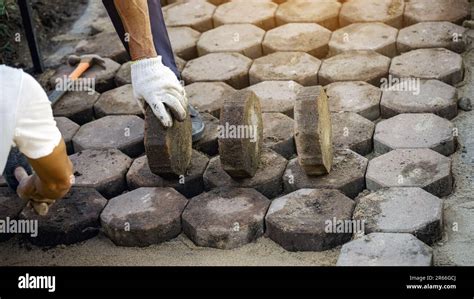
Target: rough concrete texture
[(256, 12), (208, 143), (303, 37), (180, 63), (361, 65), (278, 134), (225, 218), (415, 131), (267, 180), (72, 219), (241, 134), (183, 41), (433, 96), (347, 175), (196, 14), (124, 74), (389, 12), (231, 68), (386, 249), (357, 96), (352, 131), (118, 101), (143, 217), (3, 183), (303, 220), (103, 170), (277, 96), (10, 207), (402, 210), (77, 106), (123, 132), (68, 129), (422, 168), (432, 35), (104, 44), (208, 97), (245, 39), (378, 37), (437, 63), (322, 12), (455, 11)]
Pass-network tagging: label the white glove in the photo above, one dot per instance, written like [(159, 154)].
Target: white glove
[(157, 85)]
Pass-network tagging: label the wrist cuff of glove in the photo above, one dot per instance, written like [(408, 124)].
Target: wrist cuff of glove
[(143, 65)]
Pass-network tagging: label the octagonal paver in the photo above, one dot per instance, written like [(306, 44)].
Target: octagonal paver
[(77, 106), (386, 249), (422, 168), (432, 35), (389, 12), (415, 131), (278, 133), (225, 218), (123, 132), (303, 37), (433, 96), (402, 210), (183, 41), (267, 180), (245, 39), (103, 170), (208, 143), (283, 66), (143, 216), (437, 63), (196, 14), (258, 13), (124, 74), (455, 11), (361, 65), (356, 96), (298, 221), (118, 101), (347, 175), (352, 131), (277, 96), (106, 44), (322, 12), (68, 129), (231, 68), (378, 37), (10, 207), (208, 96)]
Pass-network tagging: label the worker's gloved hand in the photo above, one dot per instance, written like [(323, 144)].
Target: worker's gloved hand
[(157, 85)]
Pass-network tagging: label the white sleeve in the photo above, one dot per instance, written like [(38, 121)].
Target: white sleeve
[(36, 133)]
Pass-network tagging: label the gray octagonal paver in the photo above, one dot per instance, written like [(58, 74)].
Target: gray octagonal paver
[(389, 12), (124, 74), (422, 168), (208, 96), (68, 129), (118, 101), (259, 13), (454, 11), (278, 133), (77, 106), (196, 14), (352, 131), (183, 41), (415, 131), (322, 12)]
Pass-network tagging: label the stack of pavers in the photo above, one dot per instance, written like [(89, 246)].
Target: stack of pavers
[(246, 63)]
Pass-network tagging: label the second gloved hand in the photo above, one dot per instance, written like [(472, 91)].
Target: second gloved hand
[(157, 85)]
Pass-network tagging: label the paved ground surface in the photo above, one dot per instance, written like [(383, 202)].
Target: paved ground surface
[(240, 64)]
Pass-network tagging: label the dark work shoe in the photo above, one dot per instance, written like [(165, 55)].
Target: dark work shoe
[(15, 159), (198, 124)]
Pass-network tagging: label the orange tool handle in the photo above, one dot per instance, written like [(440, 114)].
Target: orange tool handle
[(80, 69)]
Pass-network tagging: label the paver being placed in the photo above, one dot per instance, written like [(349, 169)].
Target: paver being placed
[(225, 218), (389, 12), (267, 180), (68, 129), (124, 74), (278, 133), (196, 14), (352, 131), (277, 96), (123, 132), (378, 37), (10, 207), (322, 12), (402, 210), (304, 37), (208, 143), (415, 131), (103, 170), (256, 12), (455, 11), (208, 97), (77, 106), (104, 44), (436, 63), (283, 66), (304, 220), (357, 96), (143, 216), (245, 39), (72, 219), (360, 65), (118, 101), (422, 168), (347, 175), (432, 35), (183, 41), (433, 96), (231, 68), (386, 249)]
